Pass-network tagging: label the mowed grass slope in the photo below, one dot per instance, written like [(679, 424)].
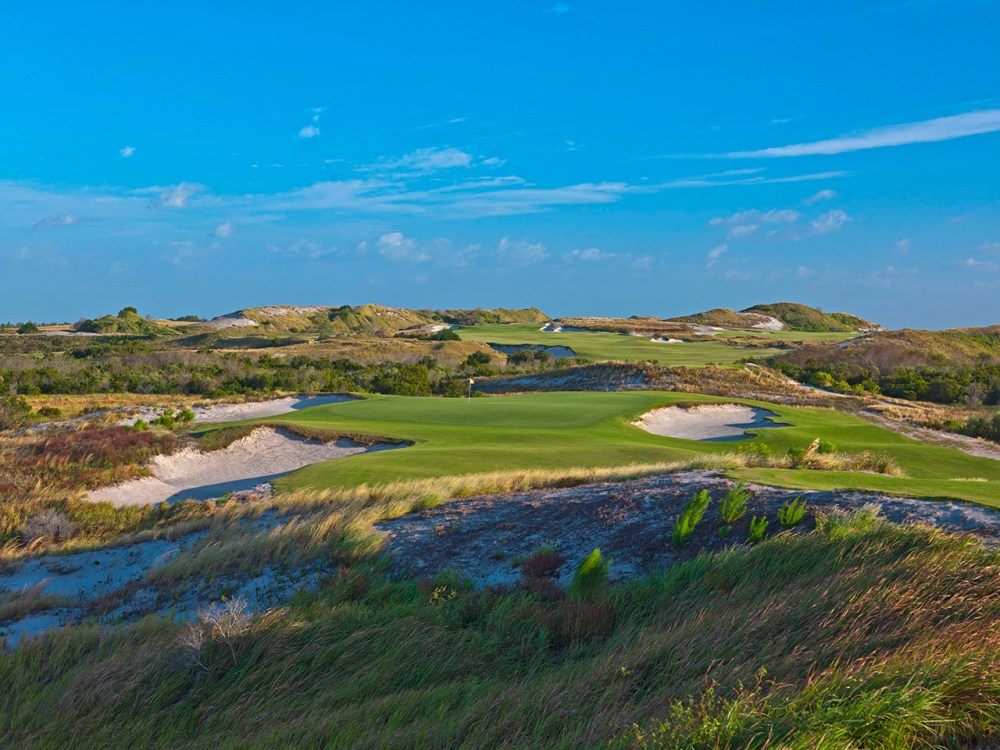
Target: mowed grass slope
[(560, 430), (614, 346)]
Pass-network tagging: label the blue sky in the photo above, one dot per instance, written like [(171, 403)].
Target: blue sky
[(586, 157)]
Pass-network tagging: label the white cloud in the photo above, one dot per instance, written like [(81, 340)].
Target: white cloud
[(54, 222), (127, 152), (903, 246), (494, 161), (224, 230), (925, 131), (309, 131), (177, 196), (396, 246), (560, 9), (520, 252), (829, 222), (822, 195)]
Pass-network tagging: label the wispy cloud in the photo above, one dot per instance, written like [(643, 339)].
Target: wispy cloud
[(426, 160), (829, 222), (177, 196), (127, 152), (745, 177), (310, 131), (924, 131), (589, 255), (715, 253), (904, 245), (521, 252), (560, 9), (55, 222), (396, 246), (224, 230), (822, 195)]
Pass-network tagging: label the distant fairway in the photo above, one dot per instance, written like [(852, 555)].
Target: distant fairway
[(560, 430), (613, 346), (600, 346)]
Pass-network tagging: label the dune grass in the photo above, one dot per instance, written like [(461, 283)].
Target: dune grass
[(857, 634), (565, 430)]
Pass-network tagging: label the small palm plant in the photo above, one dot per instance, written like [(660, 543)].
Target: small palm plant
[(688, 519), (733, 507), (758, 528), (790, 514), (591, 575)]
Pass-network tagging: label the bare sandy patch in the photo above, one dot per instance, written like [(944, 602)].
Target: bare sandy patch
[(706, 422)]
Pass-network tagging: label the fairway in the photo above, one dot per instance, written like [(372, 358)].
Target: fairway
[(599, 346), (561, 430)]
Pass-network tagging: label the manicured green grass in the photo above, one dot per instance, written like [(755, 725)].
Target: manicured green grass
[(560, 430), (614, 346)]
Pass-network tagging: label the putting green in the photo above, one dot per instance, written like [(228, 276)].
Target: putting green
[(560, 430)]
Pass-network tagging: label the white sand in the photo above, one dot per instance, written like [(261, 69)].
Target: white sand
[(708, 422), (661, 340), (263, 455)]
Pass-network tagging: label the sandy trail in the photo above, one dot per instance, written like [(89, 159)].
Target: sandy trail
[(716, 422), (262, 456)]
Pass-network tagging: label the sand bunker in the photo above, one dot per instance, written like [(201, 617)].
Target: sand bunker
[(262, 456), (718, 422), (253, 410)]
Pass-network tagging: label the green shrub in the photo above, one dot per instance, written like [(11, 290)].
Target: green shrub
[(686, 522), (790, 514), (734, 504), (591, 575), (52, 412), (758, 528), (26, 328), (185, 415)]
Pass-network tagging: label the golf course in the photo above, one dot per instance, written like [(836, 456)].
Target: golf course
[(567, 429)]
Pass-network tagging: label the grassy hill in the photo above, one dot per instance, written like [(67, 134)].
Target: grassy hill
[(889, 350), (374, 320), (127, 321), (792, 315)]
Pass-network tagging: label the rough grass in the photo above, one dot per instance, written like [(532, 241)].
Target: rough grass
[(855, 635)]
